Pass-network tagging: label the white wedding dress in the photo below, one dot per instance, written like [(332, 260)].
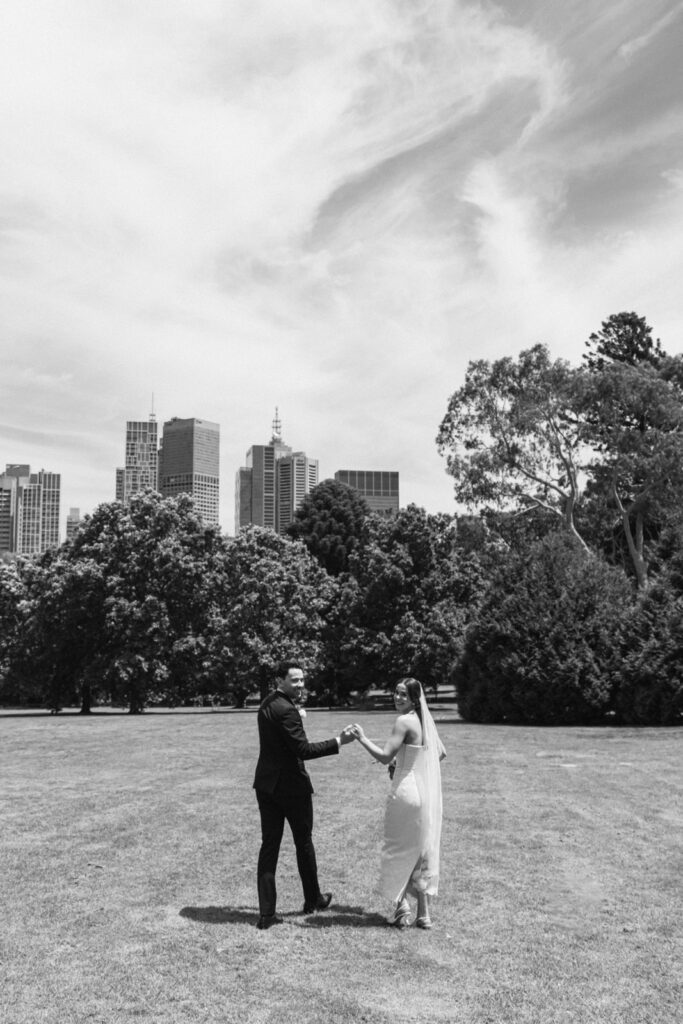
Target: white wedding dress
[(412, 821)]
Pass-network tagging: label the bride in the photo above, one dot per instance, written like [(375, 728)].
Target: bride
[(412, 821)]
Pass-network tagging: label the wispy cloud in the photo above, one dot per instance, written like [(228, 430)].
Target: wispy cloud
[(330, 207), (632, 46)]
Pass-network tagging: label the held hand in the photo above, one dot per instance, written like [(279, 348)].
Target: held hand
[(357, 731), (346, 735)]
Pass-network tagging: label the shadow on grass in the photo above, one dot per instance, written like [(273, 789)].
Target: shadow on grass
[(337, 916), (345, 917), (221, 915)]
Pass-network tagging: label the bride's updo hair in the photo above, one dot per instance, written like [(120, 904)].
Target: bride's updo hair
[(414, 691)]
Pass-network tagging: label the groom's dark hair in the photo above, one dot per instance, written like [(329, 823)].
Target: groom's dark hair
[(284, 667)]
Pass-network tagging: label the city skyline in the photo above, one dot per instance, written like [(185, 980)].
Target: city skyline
[(332, 211), (143, 460)]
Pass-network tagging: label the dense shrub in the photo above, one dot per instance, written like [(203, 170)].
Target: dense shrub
[(414, 587), (544, 645), (12, 598), (649, 677), (333, 524)]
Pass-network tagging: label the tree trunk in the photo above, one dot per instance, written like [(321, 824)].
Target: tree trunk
[(136, 703), (86, 699), (569, 507), (635, 544)]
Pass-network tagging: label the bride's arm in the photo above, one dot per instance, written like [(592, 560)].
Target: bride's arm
[(388, 752)]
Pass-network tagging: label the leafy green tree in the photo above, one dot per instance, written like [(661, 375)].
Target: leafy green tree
[(519, 530), (632, 405), (648, 679), (649, 675), (546, 639), (62, 641), (273, 604), (407, 602), (114, 613), (333, 524), (338, 675), (623, 338), (634, 420), (12, 606), (160, 565), (600, 447), (512, 439)]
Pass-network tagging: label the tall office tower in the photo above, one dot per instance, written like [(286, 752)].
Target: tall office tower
[(188, 464), (142, 459), (243, 514), (29, 510), (255, 483), (72, 522), (271, 486), (378, 487), (296, 475), (8, 505)]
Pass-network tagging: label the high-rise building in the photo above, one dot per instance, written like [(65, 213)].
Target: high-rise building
[(271, 487), (8, 511), (378, 487), (255, 487), (243, 513), (141, 460), (296, 476), (72, 522), (29, 510), (188, 464)]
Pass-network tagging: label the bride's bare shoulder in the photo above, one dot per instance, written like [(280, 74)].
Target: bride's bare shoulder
[(410, 723)]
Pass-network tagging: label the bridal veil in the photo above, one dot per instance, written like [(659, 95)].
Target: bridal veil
[(428, 776)]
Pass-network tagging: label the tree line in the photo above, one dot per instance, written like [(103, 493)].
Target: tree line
[(580, 469), (147, 605), (555, 597)]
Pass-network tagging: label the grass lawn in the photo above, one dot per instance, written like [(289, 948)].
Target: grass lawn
[(128, 859)]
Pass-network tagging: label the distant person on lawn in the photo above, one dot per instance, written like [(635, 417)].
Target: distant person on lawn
[(284, 792)]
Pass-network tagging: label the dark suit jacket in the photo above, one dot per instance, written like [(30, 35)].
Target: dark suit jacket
[(284, 747)]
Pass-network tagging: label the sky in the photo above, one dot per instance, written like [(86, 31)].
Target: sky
[(211, 208)]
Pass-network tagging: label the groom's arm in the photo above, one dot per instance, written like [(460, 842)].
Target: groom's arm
[(296, 739)]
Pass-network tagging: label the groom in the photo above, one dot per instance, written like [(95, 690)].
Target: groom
[(283, 791)]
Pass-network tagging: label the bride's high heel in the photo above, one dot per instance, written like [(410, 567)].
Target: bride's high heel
[(423, 919), (401, 915)]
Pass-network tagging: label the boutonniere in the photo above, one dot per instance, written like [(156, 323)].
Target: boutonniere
[(299, 702)]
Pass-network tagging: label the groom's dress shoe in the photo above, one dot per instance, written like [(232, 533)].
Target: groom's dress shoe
[(268, 920), (322, 903)]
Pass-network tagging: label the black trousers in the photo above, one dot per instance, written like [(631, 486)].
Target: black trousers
[(297, 810)]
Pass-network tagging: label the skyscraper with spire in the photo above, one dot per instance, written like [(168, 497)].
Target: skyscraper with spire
[(272, 484)]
